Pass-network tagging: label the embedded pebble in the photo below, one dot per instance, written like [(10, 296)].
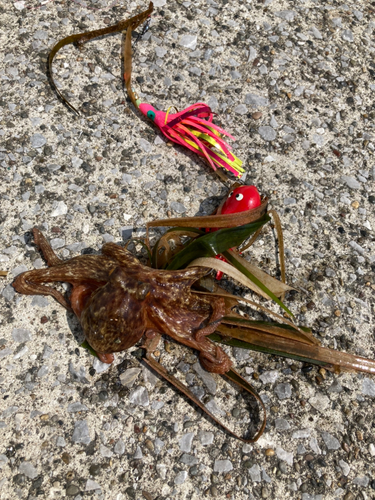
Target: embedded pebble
[(345, 467), (241, 109), (188, 41), (60, 441), (256, 101), (180, 478), (186, 441), (8, 292), (76, 407), (92, 485), (295, 87), (290, 201), (158, 446), (330, 441), (145, 145), (178, 207), (284, 455), (43, 371), (347, 35), (368, 387), (254, 473), (351, 182), (269, 377), (206, 438), (37, 140), (21, 335), (161, 470), (206, 377), (320, 402), (28, 469), (188, 459), (240, 354), (129, 376), (81, 432), (267, 133), (59, 208), (39, 301), (223, 466), (139, 396), (287, 15), (9, 411), (361, 481), (301, 434), (18, 270), (105, 451), (78, 374), (283, 391), (119, 448), (3, 460)]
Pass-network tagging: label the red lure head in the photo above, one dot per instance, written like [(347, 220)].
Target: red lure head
[(241, 199)]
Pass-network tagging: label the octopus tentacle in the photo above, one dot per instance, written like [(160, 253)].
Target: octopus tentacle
[(122, 257), (217, 314), (46, 249), (91, 269), (217, 363), (29, 283), (186, 277), (107, 358)]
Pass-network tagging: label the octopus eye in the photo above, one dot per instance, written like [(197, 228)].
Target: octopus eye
[(230, 194), (239, 196)]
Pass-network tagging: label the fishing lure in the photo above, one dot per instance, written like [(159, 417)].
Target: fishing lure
[(239, 200), (192, 127)]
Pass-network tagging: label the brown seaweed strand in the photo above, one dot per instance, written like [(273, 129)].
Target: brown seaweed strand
[(81, 38), (280, 239), (127, 57), (231, 374)]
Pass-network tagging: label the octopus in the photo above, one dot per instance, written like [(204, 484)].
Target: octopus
[(120, 301)]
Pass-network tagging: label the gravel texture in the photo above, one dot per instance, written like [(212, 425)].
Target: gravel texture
[(294, 82)]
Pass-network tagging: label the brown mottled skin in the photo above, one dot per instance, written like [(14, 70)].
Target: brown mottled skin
[(118, 301)]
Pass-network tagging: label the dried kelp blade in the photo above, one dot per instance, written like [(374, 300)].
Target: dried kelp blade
[(243, 321), (81, 38), (231, 375), (239, 264), (289, 348), (280, 238), (301, 334), (215, 221), (245, 332), (248, 280), (277, 287), (215, 243)]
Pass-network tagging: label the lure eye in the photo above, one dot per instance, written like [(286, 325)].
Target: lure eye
[(151, 115), (230, 194), (239, 196)]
